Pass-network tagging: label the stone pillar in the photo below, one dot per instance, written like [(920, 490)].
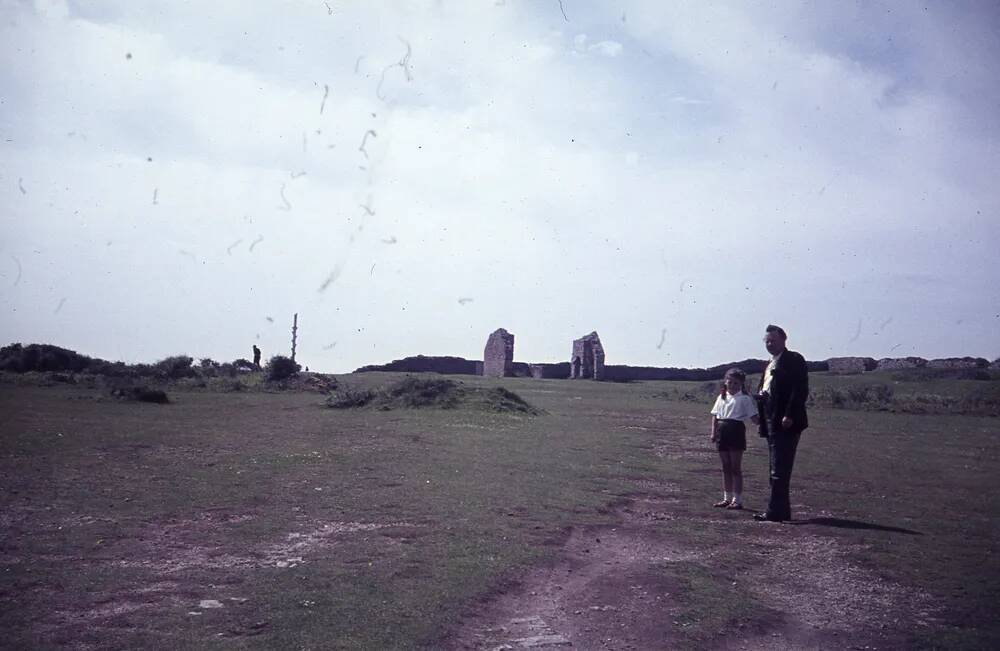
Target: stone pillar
[(587, 359), (498, 357)]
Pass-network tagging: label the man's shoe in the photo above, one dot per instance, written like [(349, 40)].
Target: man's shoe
[(764, 517)]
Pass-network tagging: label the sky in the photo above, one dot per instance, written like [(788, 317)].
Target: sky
[(183, 177)]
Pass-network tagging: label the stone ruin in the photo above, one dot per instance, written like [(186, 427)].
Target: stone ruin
[(587, 360), (895, 363), (498, 357), (958, 363), (850, 365)]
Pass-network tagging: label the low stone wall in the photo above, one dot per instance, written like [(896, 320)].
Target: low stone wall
[(421, 364), (851, 365), (520, 369), (958, 362), (558, 371), (894, 363)]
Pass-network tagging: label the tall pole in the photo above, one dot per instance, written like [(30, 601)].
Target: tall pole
[(295, 329)]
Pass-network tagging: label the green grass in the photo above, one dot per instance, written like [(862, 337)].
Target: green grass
[(91, 485)]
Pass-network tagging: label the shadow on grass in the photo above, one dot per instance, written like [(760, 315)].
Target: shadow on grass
[(840, 523)]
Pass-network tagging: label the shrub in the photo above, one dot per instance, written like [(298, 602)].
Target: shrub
[(175, 367), (41, 357), (227, 370), (111, 369), (346, 399), (414, 392), (242, 364), (882, 393), (281, 368)]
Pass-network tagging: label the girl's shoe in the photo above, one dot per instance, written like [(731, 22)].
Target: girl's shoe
[(721, 505), (735, 506)]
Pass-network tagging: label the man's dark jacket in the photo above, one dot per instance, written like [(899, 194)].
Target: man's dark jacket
[(788, 393)]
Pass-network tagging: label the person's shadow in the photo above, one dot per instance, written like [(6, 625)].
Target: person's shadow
[(840, 523)]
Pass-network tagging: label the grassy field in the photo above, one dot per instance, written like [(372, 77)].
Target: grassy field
[(267, 520)]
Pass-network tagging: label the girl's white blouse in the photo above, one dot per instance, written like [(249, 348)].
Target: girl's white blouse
[(734, 407)]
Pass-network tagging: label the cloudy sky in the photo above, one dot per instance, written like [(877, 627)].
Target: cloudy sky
[(182, 177)]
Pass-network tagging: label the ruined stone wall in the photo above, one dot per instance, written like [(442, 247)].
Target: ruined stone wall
[(422, 364), (498, 356), (895, 363), (587, 358), (550, 371), (958, 362), (520, 369), (849, 365)]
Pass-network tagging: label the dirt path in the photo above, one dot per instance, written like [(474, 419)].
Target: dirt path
[(607, 589)]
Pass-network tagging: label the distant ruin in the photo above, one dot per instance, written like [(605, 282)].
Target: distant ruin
[(851, 365), (498, 357), (958, 363), (892, 364), (587, 360)]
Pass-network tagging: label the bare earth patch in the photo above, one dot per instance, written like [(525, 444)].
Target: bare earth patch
[(607, 589), (168, 550)]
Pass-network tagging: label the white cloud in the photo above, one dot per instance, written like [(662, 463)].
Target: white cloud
[(607, 48), (724, 149)]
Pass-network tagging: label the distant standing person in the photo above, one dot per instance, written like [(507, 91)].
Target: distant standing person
[(782, 394), (256, 356), (729, 433)]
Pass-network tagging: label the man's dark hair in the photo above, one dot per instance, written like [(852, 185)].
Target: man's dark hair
[(778, 329)]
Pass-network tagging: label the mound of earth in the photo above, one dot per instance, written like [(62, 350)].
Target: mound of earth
[(413, 393)]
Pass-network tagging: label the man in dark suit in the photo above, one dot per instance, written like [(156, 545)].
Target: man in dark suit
[(782, 394)]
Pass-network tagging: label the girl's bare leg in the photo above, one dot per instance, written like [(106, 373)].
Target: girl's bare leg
[(727, 474), (736, 470)]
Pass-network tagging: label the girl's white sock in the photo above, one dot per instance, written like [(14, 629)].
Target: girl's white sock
[(726, 496), (737, 498)]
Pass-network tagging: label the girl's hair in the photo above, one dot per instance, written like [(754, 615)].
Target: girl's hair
[(735, 374)]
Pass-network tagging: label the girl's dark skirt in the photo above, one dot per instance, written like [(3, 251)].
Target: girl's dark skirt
[(732, 436)]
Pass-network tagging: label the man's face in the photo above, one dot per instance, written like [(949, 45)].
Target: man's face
[(774, 343)]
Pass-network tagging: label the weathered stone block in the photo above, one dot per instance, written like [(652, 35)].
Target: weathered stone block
[(498, 357)]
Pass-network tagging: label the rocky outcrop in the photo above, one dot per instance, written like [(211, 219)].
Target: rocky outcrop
[(498, 356)]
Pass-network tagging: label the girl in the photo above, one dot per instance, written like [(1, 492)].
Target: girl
[(732, 407)]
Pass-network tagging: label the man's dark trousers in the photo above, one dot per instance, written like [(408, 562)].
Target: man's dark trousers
[(781, 447)]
